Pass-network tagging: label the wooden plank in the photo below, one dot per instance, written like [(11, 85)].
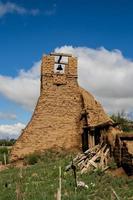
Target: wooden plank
[(93, 163), (106, 152), (60, 54), (116, 195), (4, 155), (95, 157), (102, 160), (59, 189), (61, 63)]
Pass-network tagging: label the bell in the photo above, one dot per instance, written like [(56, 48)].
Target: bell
[(59, 68)]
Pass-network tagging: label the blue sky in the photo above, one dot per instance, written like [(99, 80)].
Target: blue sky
[(28, 29), (93, 23)]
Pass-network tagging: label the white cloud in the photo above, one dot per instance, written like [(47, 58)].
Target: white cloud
[(8, 116), (23, 89), (11, 130), (10, 8), (106, 74)]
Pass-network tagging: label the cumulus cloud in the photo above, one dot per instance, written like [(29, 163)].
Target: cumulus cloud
[(24, 88), (106, 74), (11, 130), (9, 116), (10, 8)]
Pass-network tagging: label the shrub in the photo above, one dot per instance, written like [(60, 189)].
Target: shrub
[(3, 150), (32, 159), (99, 172), (6, 142), (124, 123), (2, 159), (112, 165)]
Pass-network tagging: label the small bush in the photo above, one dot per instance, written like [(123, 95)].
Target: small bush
[(2, 159), (99, 172), (112, 165), (124, 123), (32, 159), (5, 142), (3, 150)]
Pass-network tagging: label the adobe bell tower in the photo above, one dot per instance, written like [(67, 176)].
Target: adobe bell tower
[(58, 69), (55, 123)]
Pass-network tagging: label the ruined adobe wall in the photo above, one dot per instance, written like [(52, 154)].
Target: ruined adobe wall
[(55, 123), (96, 114)]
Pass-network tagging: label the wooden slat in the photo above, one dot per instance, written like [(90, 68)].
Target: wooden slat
[(61, 63), (61, 54), (93, 163), (96, 157)]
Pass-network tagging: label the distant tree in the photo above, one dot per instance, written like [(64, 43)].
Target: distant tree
[(7, 142), (124, 123)]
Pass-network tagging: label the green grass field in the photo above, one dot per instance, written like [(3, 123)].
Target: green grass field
[(40, 182)]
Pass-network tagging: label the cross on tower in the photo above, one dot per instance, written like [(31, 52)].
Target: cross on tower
[(59, 68)]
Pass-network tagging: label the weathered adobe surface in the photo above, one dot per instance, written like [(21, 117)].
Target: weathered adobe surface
[(123, 151), (96, 114), (56, 121)]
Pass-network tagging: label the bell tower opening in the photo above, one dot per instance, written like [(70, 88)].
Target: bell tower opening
[(61, 61), (58, 69)]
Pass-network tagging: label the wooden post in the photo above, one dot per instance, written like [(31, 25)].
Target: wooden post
[(114, 192), (4, 155), (91, 141), (60, 181), (59, 189)]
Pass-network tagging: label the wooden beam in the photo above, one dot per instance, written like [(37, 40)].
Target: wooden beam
[(61, 63), (61, 54)]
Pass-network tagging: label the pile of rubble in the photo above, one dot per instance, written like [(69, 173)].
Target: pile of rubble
[(94, 158)]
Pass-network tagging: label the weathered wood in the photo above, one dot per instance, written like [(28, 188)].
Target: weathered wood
[(94, 158), (61, 54), (114, 192), (5, 159), (93, 163), (59, 189), (61, 63)]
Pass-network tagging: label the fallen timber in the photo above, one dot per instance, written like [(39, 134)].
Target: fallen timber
[(98, 157), (94, 158)]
